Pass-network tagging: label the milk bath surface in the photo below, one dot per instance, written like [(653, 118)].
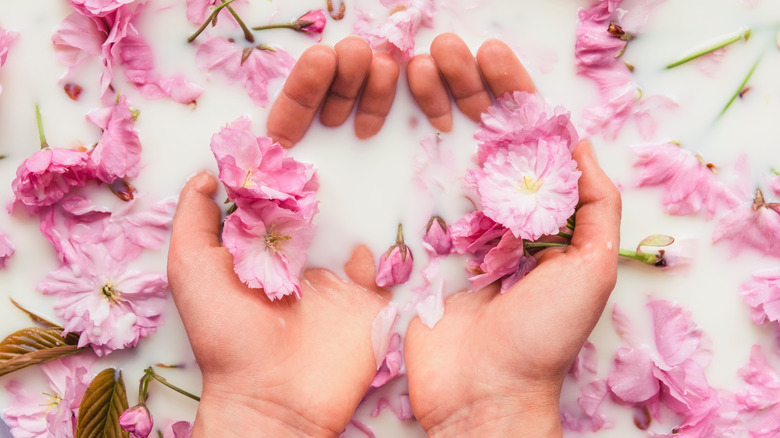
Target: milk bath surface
[(368, 187)]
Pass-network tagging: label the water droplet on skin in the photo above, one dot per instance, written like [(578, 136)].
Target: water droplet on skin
[(609, 245)]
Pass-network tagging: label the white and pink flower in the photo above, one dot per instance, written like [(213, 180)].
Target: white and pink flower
[(396, 34), (48, 175)]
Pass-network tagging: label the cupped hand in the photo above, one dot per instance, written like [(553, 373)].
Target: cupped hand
[(494, 364)]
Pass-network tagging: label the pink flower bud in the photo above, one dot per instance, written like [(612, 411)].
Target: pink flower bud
[(312, 22), (137, 420), (437, 238), (395, 266)]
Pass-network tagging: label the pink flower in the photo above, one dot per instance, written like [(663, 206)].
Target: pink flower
[(255, 68), (98, 8), (109, 305), (6, 39), (397, 33), (137, 58), (762, 294), (48, 175), (268, 244), (6, 250), (312, 23), (437, 239), (755, 225), (137, 420), (505, 261), (179, 429), (395, 265), (391, 365), (118, 153), (50, 414), (689, 183), (254, 168), (599, 42), (760, 400), (475, 233)]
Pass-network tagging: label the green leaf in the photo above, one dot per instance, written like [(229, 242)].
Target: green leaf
[(103, 403), (34, 345), (658, 240)]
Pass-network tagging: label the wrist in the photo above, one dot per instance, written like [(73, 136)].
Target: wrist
[(231, 415), (502, 417)]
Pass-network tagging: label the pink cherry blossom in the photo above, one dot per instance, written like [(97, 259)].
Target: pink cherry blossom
[(255, 68), (689, 183), (762, 294), (110, 305), (137, 420), (6, 250), (437, 239), (51, 414), (138, 61), (760, 400), (596, 45), (506, 261), (98, 8), (317, 20), (395, 265), (269, 244), (6, 39), (396, 34), (48, 175), (254, 168), (475, 233), (755, 224), (118, 153)]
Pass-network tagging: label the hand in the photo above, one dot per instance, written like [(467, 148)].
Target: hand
[(332, 78), (495, 363)]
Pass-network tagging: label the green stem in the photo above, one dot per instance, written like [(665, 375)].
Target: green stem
[(208, 20), (711, 49), (399, 239), (247, 33), (143, 386), (742, 85), (529, 245), (564, 235), (570, 226), (775, 171), (646, 258), (175, 388), (276, 26), (41, 135)]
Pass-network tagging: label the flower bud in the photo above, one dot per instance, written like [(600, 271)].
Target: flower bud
[(137, 420), (312, 22), (395, 266), (437, 238)]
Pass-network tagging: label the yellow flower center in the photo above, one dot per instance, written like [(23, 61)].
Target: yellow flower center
[(248, 180), (110, 293), (398, 9), (275, 241), (530, 184), (54, 401)]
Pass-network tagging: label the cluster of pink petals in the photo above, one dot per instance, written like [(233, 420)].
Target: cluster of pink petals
[(6, 39), (50, 173), (51, 414), (108, 304), (586, 416), (104, 29), (760, 401), (596, 51), (254, 67), (762, 294), (670, 374), (396, 34), (689, 183), (270, 231), (6, 250), (527, 179), (387, 346), (751, 225)]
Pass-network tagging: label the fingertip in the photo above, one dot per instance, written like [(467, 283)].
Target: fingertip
[(378, 95), (203, 182), (429, 92), (461, 73), (502, 69), (361, 269), (353, 56)]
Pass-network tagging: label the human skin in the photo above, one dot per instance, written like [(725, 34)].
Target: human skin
[(299, 368)]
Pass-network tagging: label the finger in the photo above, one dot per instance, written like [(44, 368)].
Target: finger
[(429, 91), (502, 70), (302, 95), (362, 271), (460, 71), (378, 95), (353, 56), (196, 223)]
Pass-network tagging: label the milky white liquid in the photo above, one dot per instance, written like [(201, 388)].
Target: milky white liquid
[(366, 186)]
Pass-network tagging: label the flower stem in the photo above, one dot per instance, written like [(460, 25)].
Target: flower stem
[(162, 380), (208, 20), (400, 236), (276, 26), (143, 385), (742, 85), (529, 245), (775, 171), (712, 48), (41, 135), (247, 33), (646, 258), (564, 235)]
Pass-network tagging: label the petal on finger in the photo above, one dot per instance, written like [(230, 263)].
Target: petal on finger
[(429, 91), (354, 60), (461, 73), (502, 70), (302, 94), (378, 95)]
